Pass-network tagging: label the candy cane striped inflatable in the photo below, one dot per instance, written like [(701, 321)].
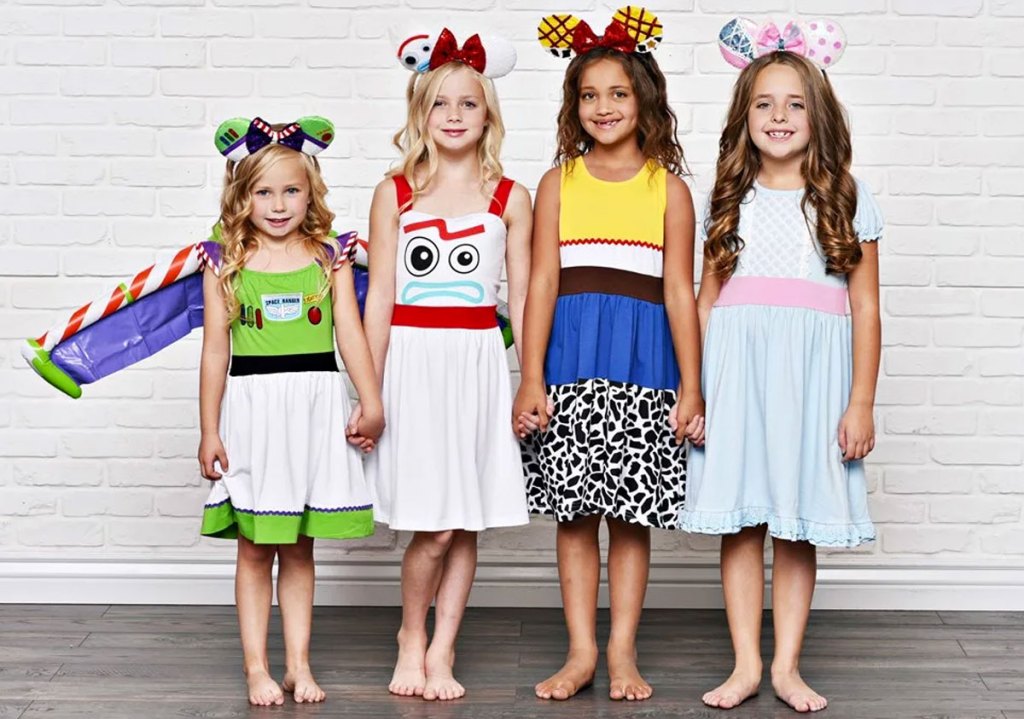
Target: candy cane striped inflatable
[(185, 262)]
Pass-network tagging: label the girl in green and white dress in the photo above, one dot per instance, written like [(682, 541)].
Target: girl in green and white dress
[(274, 426)]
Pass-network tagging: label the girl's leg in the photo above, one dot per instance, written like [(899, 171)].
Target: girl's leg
[(579, 571), (422, 566), (743, 586), (449, 606), (254, 590), (793, 574), (629, 560), (295, 580)]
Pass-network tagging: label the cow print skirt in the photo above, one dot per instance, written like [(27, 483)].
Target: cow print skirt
[(608, 451)]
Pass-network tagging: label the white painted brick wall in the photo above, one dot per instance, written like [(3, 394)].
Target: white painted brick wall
[(106, 113)]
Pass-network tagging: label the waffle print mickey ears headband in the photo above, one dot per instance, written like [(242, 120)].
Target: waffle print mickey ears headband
[(822, 41), (238, 137), (633, 29), (490, 56)]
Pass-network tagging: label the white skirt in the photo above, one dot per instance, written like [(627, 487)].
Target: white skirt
[(448, 458), (290, 470)]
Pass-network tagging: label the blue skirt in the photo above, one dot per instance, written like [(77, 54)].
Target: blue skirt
[(776, 381)]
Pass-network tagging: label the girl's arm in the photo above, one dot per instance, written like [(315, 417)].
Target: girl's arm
[(681, 305), (348, 332), (857, 428), (380, 297), (213, 371), (710, 286), (540, 302), (519, 216)]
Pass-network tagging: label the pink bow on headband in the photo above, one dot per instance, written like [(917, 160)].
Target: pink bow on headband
[(791, 39), (447, 49)]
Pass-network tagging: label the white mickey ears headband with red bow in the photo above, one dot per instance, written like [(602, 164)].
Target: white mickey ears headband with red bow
[(490, 56), (822, 41)]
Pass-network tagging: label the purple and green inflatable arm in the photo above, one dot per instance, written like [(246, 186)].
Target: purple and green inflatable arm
[(155, 308)]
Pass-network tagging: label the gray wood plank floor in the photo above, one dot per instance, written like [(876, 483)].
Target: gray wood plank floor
[(121, 662)]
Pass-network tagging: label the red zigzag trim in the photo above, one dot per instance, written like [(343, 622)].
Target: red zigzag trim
[(609, 241)]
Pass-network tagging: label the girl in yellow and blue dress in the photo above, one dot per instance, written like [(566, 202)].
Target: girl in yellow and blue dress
[(610, 319)]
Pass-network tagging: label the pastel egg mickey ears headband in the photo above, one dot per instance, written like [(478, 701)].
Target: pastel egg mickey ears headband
[(633, 29), (822, 41), (490, 56), (238, 137)]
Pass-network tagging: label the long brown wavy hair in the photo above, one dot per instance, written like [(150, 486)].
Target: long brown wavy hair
[(238, 234), (656, 125), (830, 191), (415, 143)]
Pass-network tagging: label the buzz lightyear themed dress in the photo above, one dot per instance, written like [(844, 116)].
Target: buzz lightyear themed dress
[(285, 406), (290, 470)]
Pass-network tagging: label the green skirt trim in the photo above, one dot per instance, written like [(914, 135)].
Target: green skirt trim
[(227, 522)]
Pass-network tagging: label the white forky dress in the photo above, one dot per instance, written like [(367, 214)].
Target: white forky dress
[(448, 458)]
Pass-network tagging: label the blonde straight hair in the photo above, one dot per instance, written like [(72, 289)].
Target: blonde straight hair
[(415, 143), (238, 234)]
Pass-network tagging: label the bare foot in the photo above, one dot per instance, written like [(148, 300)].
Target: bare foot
[(441, 684), (791, 688), (409, 678), (575, 675), (740, 686), (303, 686), (263, 690), (625, 680)]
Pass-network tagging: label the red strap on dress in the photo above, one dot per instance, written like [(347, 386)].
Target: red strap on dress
[(500, 200), (404, 193)]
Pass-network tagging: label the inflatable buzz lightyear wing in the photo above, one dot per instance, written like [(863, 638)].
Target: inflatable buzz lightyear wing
[(154, 309)]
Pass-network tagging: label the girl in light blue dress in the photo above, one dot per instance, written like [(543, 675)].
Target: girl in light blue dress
[(789, 315)]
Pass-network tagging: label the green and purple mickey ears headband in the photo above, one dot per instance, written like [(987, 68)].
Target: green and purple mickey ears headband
[(238, 137)]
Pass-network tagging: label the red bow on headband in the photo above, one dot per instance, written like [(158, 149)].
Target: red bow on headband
[(615, 36), (447, 49)]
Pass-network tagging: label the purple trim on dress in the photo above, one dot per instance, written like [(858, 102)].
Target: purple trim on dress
[(283, 513)]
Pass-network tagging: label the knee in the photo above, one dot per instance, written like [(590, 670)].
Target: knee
[(581, 526), (301, 551), (256, 554), (436, 544)]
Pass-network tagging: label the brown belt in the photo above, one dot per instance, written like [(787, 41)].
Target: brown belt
[(578, 280)]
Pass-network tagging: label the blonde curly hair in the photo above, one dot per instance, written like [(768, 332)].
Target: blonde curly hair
[(238, 234)]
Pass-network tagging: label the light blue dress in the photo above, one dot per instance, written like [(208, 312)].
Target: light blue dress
[(777, 372)]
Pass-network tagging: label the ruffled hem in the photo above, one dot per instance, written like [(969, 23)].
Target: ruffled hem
[(791, 529), (224, 521)]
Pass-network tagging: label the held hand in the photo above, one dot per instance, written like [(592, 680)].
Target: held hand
[(359, 428), (212, 453), (686, 419), (856, 432), (351, 429), (531, 410), (371, 424)]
